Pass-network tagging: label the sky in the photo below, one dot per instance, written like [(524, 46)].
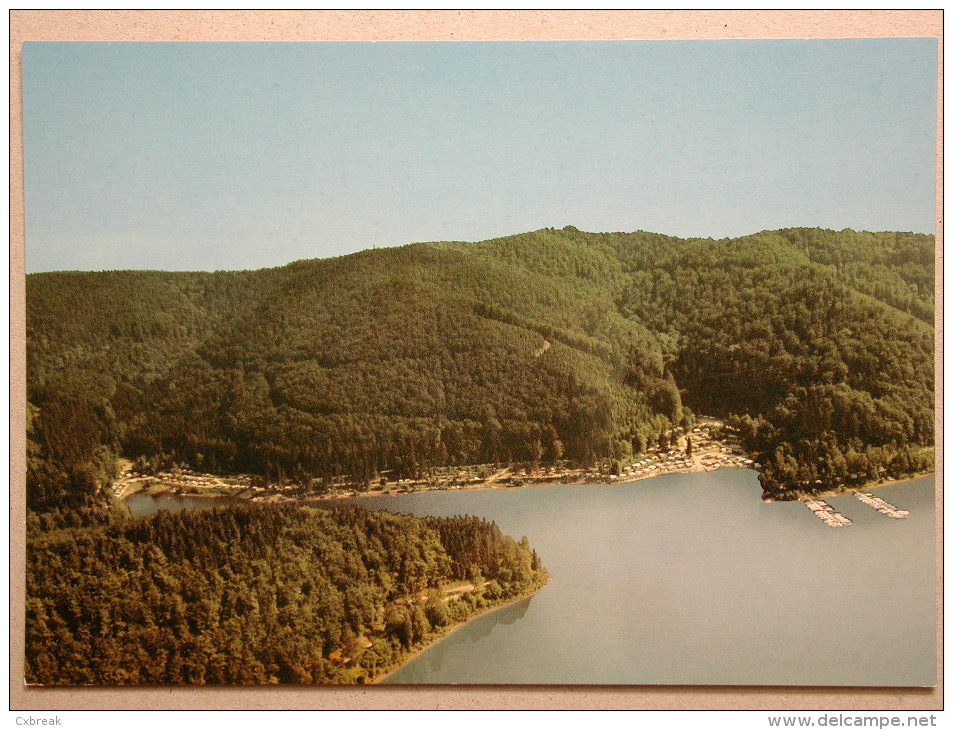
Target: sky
[(211, 156)]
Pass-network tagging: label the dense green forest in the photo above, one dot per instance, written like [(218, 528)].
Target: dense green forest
[(257, 595), (547, 346)]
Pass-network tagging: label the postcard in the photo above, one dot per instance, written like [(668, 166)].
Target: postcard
[(582, 362)]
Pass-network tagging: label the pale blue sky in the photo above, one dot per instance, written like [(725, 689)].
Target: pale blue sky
[(234, 156)]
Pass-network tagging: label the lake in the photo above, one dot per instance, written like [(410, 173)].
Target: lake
[(692, 579), (141, 503)]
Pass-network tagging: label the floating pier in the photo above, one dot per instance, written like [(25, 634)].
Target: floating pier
[(881, 505), (826, 514)]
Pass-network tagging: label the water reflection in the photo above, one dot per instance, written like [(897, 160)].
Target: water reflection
[(430, 662), (505, 615), (142, 504)]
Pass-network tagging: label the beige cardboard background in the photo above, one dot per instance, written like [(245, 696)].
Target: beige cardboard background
[(438, 25)]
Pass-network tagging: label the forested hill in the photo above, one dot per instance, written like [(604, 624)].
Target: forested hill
[(545, 346)]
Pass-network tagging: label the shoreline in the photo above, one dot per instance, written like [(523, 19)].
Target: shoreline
[(417, 652), (157, 491), (710, 454), (504, 488), (869, 486), (695, 451), (578, 480)]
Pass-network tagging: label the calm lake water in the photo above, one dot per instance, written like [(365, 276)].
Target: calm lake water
[(692, 579), (141, 504)]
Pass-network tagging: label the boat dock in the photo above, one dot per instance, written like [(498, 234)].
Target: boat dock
[(881, 505), (826, 514)]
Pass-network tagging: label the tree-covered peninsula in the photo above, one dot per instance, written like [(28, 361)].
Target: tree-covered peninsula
[(258, 595)]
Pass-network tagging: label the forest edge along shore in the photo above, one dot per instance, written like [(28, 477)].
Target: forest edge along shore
[(707, 446)]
